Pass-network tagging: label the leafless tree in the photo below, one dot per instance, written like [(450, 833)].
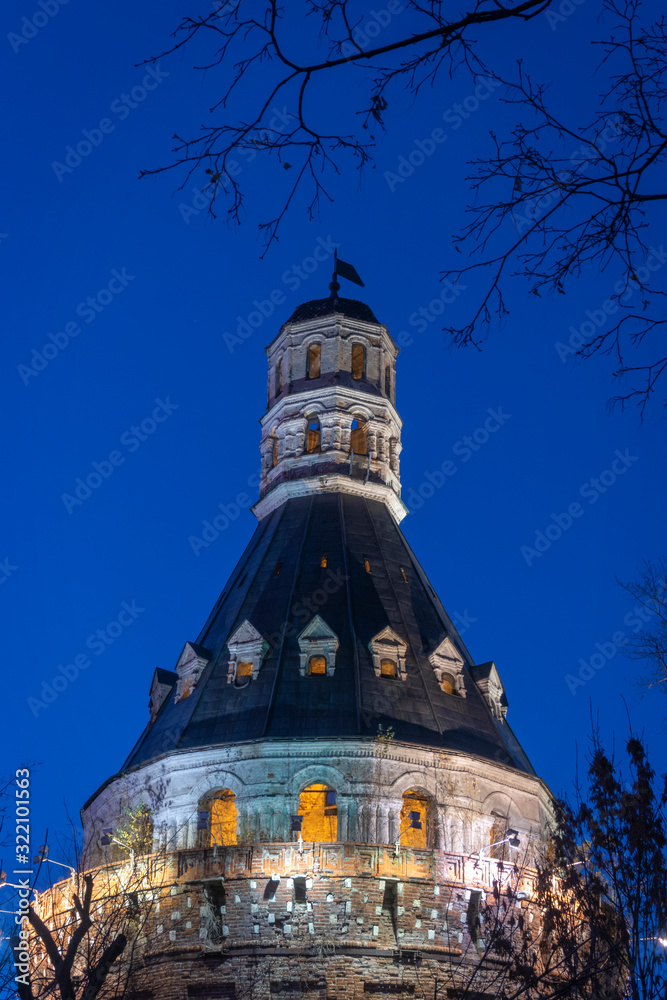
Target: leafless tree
[(557, 198), (649, 646)]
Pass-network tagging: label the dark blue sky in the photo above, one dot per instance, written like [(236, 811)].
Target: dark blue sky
[(167, 284)]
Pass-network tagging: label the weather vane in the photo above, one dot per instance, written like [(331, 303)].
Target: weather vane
[(343, 270)]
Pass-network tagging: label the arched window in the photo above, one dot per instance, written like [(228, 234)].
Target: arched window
[(387, 380), (387, 668), (278, 381), (358, 440), (317, 805), (223, 819), (447, 684), (243, 673), (415, 820), (317, 665), (358, 360), (314, 357), (313, 436)]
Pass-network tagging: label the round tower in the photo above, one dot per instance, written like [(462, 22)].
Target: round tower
[(327, 768)]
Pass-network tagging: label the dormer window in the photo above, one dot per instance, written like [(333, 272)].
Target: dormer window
[(247, 649), (358, 361), (388, 651), (447, 665), (317, 649), (189, 669), (313, 436), (313, 364)]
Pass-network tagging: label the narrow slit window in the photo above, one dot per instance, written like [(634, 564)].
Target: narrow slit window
[(323, 562), (313, 436), (278, 568), (405, 579), (314, 359), (279, 376), (274, 454), (387, 380), (367, 565), (358, 438), (387, 668), (317, 665), (358, 360), (473, 914), (300, 890)]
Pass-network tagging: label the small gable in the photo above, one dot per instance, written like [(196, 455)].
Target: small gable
[(487, 679), (189, 669), (247, 649), (318, 645), (447, 665), (161, 685), (388, 651)]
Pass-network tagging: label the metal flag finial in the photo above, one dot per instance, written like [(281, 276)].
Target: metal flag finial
[(344, 270)]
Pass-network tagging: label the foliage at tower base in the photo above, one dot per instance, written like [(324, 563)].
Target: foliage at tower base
[(602, 890)]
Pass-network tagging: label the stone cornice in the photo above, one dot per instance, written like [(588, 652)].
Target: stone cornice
[(329, 483)]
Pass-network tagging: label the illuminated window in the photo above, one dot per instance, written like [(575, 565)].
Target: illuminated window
[(317, 665), (323, 562), (411, 835), (367, 565), (279, 376), (313, 436), (403, 574), (314, 355), (243, 673), (387, 668), (358, 360), (224, 815), (447, 684), (317, 805), (358, 439)]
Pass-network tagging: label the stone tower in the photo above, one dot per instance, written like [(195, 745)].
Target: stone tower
[(330, 772)]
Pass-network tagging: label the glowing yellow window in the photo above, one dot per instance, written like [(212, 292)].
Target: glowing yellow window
[(367, 565), (323, 562), (317, 805), (358, 359), (317, 665), (403, 575), (314, 355), (224, 815), (388, 668), (243, 669), (411, 833), (447, 684), (358, 440)]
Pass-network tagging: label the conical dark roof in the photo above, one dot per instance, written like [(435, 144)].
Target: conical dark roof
[(278, 586)]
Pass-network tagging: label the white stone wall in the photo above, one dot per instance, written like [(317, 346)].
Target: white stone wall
[(369, 777)]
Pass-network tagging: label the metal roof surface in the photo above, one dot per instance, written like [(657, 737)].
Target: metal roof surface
[(279, 585)]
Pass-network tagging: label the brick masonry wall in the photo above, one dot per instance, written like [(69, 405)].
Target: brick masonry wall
[(361, 921)]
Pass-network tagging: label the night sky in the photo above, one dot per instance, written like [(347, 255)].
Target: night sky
[(160, 348)]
